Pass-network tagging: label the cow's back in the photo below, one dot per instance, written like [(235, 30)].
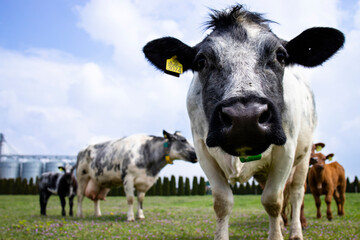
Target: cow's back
[(337, 173), (107, 162)]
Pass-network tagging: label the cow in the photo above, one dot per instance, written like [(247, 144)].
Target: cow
[(316, 147), (327, 179), (62, 183), (251, 111), (133, 162)]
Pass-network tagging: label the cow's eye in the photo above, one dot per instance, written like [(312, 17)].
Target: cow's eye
[(281, 56), (200, 63)]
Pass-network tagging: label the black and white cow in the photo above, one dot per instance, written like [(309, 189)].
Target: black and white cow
[(246, 99), (132, 162), (63, 184)]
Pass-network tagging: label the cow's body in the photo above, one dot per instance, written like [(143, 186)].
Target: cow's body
[(63, 184), (290, 160), (328, 180), (132, 162), (246, 99)]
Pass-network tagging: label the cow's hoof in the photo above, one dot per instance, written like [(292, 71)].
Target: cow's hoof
[(295, 238), (141, 217), (131, 220)]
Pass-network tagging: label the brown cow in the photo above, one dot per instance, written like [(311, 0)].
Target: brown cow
[(316, 147), (328, 179)]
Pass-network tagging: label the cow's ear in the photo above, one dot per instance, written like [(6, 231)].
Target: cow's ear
[(314, 46), (171, 51), (167, 135), (330, 156), (319, 146), (62, 169)]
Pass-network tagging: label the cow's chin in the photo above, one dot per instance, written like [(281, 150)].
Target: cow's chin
[(243, 151)]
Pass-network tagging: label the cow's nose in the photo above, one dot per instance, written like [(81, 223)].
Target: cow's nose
[(253, 117), (245, 127)]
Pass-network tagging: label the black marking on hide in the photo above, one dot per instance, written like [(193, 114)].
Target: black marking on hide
[(152, 156)]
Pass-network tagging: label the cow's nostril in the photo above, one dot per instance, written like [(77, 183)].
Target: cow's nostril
[(265, 117), (225, 118)]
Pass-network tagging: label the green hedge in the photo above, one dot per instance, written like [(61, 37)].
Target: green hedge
[(163, 187)]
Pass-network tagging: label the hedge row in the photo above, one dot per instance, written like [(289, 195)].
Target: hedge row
[(163, 187)]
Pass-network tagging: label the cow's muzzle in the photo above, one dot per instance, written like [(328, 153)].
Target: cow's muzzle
[(245, 126)]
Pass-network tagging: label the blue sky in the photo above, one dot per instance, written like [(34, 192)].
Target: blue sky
[(72, 72)]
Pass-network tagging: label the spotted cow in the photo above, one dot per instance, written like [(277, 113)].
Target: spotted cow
[(246, 99), (133, 162)]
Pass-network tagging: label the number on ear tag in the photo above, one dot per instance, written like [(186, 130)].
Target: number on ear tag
[(173, 67)]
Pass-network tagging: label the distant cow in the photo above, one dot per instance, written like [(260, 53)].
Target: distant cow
[(327, 179), (316, 147), (133, 162), (63, 184), (246, 99)]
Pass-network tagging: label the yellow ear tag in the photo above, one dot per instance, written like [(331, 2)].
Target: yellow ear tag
[(318, 148), (330, 158), (168, 160), (173, 67)]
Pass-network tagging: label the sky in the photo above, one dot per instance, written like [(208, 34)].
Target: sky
[(72, 72)]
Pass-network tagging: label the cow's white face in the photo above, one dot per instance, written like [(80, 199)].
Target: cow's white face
[(240, 67)]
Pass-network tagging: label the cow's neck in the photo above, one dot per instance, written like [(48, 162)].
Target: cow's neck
[(155, 154)]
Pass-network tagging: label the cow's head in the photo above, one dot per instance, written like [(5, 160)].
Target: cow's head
[(179, 147), (317, 147), (68, 172), (240, 66)]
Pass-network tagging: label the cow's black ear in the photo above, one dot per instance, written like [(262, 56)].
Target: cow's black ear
[(330, 156), (314, 46), (167, 135), (160, 50)]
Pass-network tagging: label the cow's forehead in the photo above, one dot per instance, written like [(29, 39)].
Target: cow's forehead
[(68, 168)]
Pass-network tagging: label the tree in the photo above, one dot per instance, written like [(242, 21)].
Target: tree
[(348, 185), (181, 186), (195, 186), (166, 186), (253, 188), (173, 186), (159, 187), (356, 185), (187, 187), (202, 187), (247, 188)]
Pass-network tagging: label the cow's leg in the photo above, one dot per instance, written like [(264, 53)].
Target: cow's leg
[(337, 200), (71, 204), (297, 197), (82, 183), (44, 197), (342, 200), (221, 191), (317, 204), (272, 197), (302, 216), (140, 213), (63, 203), (328, 199), (97, 210), (129, 192)]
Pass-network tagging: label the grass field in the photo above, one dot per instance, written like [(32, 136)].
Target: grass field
[(166, 218)]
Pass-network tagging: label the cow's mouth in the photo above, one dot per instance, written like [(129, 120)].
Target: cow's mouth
[(245, 127)]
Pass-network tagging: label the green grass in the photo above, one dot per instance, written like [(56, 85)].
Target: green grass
[(166, 218)]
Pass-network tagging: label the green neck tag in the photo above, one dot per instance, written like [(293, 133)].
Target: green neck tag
[(166, 144), (250, 158)]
